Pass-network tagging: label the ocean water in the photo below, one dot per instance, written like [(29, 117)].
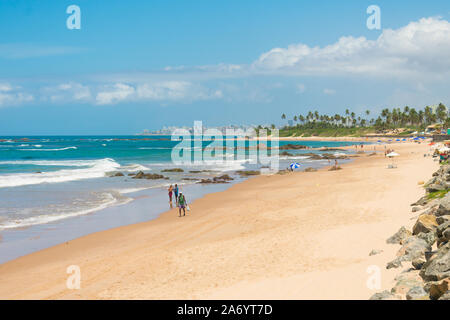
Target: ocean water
[(55, 183)]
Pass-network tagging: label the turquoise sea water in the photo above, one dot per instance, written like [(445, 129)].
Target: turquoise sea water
[(52, 181)]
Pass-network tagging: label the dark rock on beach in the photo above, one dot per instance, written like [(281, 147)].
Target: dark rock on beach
[(399, 236), (248, 173), (438, 267), (173, 170), (220, 179), (385, 295), (425, 223), (292, 147), (151, 176)]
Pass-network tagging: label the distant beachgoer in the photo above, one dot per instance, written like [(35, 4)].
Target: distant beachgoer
[(176, 192), (182, 204), (170, 194), (335, 163)]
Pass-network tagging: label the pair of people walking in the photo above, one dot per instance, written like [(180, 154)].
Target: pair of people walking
[(180, 199)]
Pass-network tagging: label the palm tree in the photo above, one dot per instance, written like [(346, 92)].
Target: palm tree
[(283, 116), (441, 113)]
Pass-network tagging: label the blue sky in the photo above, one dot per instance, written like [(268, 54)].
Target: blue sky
[(138, 65)]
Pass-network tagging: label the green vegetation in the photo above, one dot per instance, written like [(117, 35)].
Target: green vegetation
[(437, 194), (349, 124)]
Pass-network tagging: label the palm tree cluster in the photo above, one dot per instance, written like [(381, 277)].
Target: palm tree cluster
[(387, 119)]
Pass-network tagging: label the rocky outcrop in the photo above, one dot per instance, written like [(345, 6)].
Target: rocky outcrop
[(426, 248), (438, 267), (290, 146), (399, 236), (151, 176), (439, 288), (173, 170), (385, 295), (425, 223), (220, 179), (248, 173)]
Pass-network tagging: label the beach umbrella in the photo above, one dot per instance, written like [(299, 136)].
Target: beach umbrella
[(294, 165)]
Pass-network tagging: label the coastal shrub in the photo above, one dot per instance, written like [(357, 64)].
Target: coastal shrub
[(437, 194)]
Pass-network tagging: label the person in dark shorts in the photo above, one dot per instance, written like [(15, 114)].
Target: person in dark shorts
[(182, 204), (175, 190)]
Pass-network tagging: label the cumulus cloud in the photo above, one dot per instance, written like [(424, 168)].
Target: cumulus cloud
[(156, 91), (10, 95), (115, 93), (67, 92), (419, 48)]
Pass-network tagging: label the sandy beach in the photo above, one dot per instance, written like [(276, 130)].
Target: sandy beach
[(292, 236)]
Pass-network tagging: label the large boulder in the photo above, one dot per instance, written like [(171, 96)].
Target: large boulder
[(399, 236), (439, 288), (406, 281), (435, 187), (425, 223), (413, 247), (443, 219), (443, 233), (417, 293), (444, 206), (438, 266), (384, 295), (429, 237)]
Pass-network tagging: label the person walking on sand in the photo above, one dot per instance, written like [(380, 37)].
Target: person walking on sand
[(170, 195), (182, 204), (176, 192)]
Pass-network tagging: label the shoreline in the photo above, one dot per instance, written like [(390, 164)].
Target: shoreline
[(20, 240), (193, 240)]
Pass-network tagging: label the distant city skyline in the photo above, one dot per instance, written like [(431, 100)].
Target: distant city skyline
[(136, 65)]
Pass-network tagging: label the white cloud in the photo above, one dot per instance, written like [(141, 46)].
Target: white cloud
[(419, 48), (114, 93), (10, 95), (67, 92), (156, 91)]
